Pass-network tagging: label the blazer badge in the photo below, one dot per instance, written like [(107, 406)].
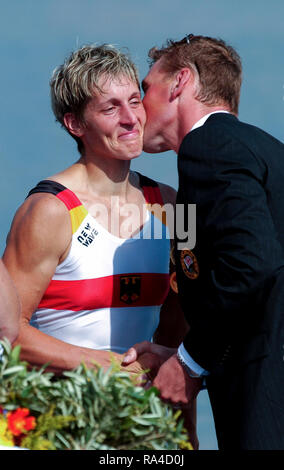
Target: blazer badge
[(189, 264)]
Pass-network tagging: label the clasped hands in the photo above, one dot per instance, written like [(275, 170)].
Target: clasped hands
[(166, 373)]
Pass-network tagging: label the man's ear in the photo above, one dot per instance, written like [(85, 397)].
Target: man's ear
[(73, 124), (182, 78)]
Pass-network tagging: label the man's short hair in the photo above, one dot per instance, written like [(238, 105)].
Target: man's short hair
[(76, 81), (216, 65)]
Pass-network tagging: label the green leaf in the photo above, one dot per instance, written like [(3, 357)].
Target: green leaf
[(15, 354), (139, 432), (143, 421), (77, 377), (13, 370)]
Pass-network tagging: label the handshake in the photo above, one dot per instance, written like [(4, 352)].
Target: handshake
[(147, 356), (167, 374)]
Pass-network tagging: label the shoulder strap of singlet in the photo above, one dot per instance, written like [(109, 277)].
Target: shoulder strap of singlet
[(151, 190), (47, 186), (61, 192)]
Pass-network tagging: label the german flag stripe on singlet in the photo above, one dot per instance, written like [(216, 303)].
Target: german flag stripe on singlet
[(76, 209), (105, 292), (151, 190), (153, 197)]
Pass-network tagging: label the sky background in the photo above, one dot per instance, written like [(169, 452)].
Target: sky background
[(36, 36)]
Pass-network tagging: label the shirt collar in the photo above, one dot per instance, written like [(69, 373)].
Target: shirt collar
[(204, 119)]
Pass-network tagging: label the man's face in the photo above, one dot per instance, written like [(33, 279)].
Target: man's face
[(114, 121), (157, 88)]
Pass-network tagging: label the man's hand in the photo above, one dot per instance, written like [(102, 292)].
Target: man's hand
[(148, 356), (171, 378), (176, 386), (151, 356)]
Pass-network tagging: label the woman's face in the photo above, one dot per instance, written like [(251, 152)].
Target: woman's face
[(114, 121)]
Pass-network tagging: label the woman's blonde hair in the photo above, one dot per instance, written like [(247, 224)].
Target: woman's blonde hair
[(76, 81)]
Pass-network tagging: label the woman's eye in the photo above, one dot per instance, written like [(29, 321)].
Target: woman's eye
[(108, 110), (135, 102)]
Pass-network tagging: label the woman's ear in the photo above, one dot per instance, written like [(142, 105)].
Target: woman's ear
[(182, 78), (73, 124), (173, 282)]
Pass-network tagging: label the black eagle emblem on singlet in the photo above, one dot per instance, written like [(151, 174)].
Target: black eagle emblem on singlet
[(130, 287)]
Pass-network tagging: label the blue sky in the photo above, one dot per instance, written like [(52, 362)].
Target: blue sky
[(35, 37)]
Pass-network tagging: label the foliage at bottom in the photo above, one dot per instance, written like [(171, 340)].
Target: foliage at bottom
[(84, 409)]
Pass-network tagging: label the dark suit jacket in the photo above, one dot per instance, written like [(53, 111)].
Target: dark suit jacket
[(234, 173)]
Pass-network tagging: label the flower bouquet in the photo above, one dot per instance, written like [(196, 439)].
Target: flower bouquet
[(84, 409)]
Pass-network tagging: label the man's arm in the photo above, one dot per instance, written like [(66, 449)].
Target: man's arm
[(172, 327), (39, 240), (9, 306)]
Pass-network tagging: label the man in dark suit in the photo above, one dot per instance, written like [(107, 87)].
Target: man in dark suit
[(231, 284)]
